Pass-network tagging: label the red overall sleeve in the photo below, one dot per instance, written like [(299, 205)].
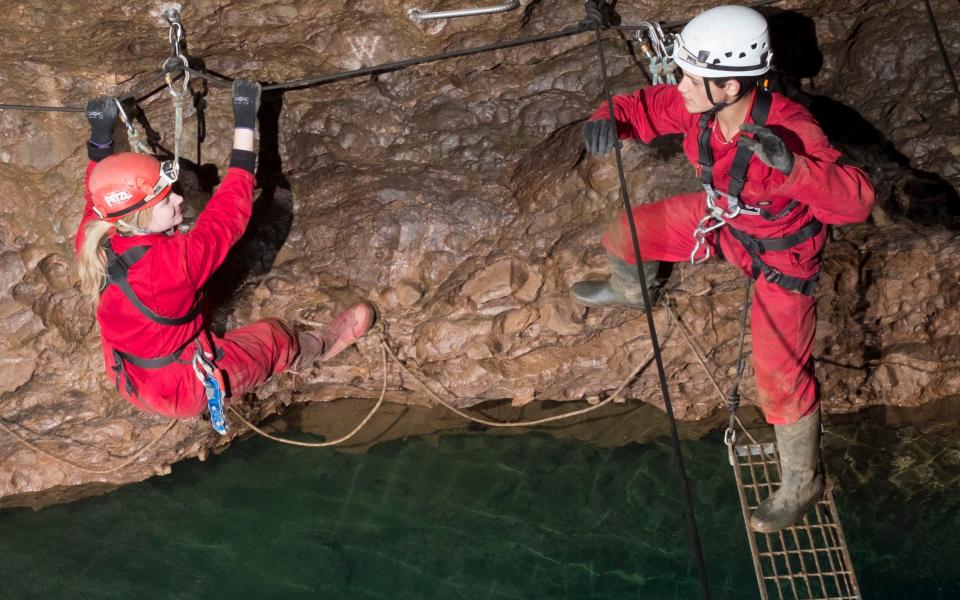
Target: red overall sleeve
[(87, 208), (836, 194), (648, 113), (219, 226)]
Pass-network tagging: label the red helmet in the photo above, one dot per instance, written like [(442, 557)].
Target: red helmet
[(127, 182)]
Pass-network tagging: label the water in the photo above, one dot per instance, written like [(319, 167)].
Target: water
[(474, 515)]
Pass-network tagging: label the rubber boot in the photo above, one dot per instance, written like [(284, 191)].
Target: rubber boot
[(331, 339), (622, 288), (802, 481)]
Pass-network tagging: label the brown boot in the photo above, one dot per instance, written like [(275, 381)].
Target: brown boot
[(331, 339)]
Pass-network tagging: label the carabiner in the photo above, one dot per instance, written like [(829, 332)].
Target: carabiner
[(185, 89)]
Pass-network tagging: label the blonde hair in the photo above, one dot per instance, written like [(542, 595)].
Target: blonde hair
[(93, 260)]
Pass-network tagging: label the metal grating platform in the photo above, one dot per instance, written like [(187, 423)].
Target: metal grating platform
[(807, 561)]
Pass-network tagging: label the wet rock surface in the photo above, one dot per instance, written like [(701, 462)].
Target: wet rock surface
[(456, 197)]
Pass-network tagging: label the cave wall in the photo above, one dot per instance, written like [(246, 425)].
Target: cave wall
[(456, 198)]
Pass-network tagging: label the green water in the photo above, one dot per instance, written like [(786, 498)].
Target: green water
[(472, 515)]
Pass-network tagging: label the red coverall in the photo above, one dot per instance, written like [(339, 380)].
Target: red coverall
[(783, 322), (168, 279)]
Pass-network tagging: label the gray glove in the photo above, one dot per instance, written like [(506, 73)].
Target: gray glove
[(599, 136), (246, 102), (102, 115), (768, 147)]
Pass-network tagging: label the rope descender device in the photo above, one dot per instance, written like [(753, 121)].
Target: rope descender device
[(213, 385)]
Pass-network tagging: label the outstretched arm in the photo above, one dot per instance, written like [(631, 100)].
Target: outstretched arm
[(226, 215), (102, 115), (645, 114)]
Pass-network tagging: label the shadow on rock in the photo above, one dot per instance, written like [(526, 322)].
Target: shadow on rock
[(903, 192), (270, 222)]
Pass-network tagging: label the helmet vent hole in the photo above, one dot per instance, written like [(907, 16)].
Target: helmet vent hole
[(728, 54), (743, 54), (716, 61), (753, 46)]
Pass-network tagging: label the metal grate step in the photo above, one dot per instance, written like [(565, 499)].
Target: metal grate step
[(809, 561)]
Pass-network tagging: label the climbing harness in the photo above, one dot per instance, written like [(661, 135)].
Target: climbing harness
[(118, 266), (717, 216), (657, 48)]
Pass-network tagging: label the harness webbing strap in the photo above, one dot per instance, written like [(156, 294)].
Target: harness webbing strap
[(756, 245), (738, 178), (769, 216), (772, 275), (118, 266), (741, 160)]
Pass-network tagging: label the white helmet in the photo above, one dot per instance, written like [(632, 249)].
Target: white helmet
[(726, 41)]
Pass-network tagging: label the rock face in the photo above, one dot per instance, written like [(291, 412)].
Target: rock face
[(456, 197)]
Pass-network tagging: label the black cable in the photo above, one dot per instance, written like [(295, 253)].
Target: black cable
[(383, 68), (675, 435), (215, 79), (132, 94), (145, 85), (943, 49), (37, 108)]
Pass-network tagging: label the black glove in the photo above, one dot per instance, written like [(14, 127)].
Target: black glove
[(599, 136), (102, 115), (768, 147), (246, 101), (594, 18)]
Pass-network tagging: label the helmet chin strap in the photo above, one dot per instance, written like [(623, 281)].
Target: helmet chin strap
[(717, 106)]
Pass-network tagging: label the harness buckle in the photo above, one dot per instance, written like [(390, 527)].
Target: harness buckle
[(772, 275)]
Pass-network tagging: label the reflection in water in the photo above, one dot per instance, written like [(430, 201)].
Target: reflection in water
[(573, 511)]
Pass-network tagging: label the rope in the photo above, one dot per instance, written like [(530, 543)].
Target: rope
[(383, 394), (131, 95), (661, 373), (642, 365), (703, 361), (79, 467), (403, 64), (943, 49), (329, 78)]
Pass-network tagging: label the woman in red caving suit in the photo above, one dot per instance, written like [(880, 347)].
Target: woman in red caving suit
[(146, 278), (764, 212)]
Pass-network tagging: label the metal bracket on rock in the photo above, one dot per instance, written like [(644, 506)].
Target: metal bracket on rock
[(417, 15)]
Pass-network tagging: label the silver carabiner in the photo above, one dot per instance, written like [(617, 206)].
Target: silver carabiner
[(700, 237), (185, 88), (730, 437)]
